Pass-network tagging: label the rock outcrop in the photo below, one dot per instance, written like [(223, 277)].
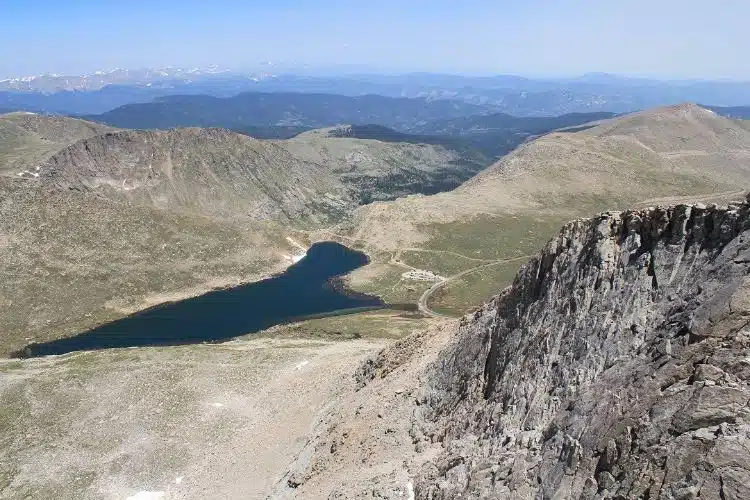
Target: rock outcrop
[(617, 365)]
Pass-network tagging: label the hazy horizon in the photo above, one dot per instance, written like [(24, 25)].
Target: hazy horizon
[(347, 71), (668, 39)]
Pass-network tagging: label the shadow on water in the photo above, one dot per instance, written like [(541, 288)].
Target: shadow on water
[(303, 290)]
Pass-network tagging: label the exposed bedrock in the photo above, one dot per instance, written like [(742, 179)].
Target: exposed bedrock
[(616, 365)]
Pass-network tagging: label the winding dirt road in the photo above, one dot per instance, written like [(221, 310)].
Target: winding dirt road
[(672, 200), (423, 299), (424, 308), (422, 303)]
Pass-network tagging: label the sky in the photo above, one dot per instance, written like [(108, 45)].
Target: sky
[(658, 38)]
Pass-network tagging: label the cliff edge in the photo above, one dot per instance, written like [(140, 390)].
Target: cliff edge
[(615, 366)]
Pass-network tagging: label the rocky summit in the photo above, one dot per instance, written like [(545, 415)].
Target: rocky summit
[(617, 365)]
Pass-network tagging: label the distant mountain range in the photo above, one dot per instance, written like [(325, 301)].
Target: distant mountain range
[(454, 124), (105, 90), (51, 83), (285, 109), (736, 112)]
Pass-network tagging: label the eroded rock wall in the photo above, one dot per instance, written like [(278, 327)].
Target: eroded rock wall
[(616, 365)]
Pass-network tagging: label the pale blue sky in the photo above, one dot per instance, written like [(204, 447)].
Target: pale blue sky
[(667, 38)]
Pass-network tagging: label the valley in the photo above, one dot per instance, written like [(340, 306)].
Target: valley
[(374, 250), (207, 208), (115, 220), (127, 219), (510, 209)]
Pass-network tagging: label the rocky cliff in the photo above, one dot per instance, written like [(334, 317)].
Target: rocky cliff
[(615, 366)]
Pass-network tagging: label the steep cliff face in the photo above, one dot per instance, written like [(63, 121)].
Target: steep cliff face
[(617, 365)]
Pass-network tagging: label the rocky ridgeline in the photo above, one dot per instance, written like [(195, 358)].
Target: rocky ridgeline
[(616, 365)]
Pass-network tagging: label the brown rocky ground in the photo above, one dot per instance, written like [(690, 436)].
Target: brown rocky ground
[(190, 422)]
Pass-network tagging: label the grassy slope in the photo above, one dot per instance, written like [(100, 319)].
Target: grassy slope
[(227, 418), (69, 261), (510, 209)]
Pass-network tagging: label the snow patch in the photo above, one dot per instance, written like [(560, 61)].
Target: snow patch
[(29, 173), (410, 491), (301, 365), (299, 256), (179, 479), (148, 495), (217, 405)]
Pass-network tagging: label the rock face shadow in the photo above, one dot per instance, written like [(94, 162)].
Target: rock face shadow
[(304, 289)]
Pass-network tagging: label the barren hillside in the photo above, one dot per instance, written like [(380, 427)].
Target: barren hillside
[(206, 171), (27, 139)]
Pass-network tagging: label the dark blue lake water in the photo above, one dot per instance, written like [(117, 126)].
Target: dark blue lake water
[(304, 289)]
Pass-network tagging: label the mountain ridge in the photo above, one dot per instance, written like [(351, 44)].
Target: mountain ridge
[(450, 123), (581, 160), (282, 108), (26, 139), (214, 171), (506, 93), (651, 133), (336, 172), (524, 197)]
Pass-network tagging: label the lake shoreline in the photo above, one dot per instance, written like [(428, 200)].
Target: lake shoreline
[(312, 287)]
